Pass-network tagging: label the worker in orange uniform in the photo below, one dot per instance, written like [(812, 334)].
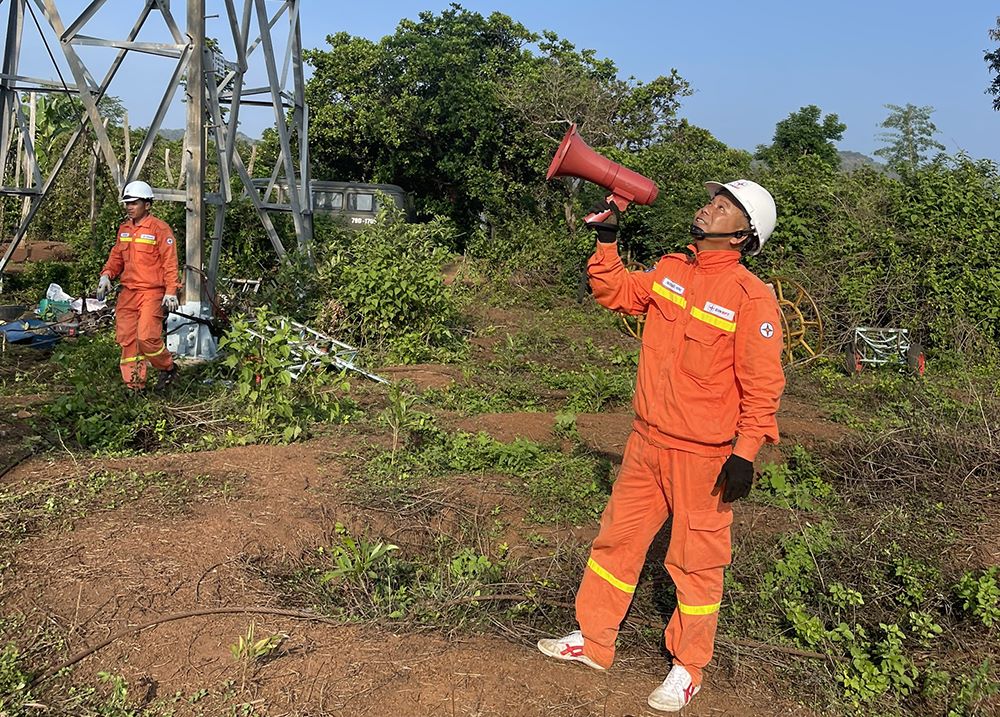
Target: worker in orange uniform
[(708, 387), (145, 256)]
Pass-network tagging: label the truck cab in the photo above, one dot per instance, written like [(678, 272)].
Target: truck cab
[(358, 203)]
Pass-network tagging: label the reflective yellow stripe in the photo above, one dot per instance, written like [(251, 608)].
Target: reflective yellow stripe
[(669, 295), (124, 238), (715, 321), (601, 572), (156, 353), (698, 609), (140, 240), (140, 357)]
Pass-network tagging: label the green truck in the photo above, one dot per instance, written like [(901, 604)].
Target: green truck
[(358, 203)]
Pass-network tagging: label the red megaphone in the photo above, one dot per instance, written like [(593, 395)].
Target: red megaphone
[(575, 158)]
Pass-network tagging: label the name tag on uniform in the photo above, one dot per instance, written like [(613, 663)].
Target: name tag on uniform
[(721, 311), (671, 291), (672, 285)]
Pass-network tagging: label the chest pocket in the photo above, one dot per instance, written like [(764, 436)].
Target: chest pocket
[(144, 246), (661, 319), (708, 350)]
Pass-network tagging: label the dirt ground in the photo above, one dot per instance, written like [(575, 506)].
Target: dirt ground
[(116, 569)]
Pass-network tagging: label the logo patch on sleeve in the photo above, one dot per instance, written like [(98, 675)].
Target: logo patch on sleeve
[(721, 311), (767, 329), (170, 240)]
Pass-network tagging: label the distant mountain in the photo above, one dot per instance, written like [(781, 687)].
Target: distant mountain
[(854, 160), (175, 134)]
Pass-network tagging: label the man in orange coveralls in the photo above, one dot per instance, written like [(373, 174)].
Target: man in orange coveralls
[(708, 387), (145, 256)]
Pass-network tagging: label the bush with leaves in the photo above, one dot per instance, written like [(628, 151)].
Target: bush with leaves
[(275, 404), (385, 282)]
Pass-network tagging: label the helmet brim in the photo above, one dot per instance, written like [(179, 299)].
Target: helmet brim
[(714, 188)]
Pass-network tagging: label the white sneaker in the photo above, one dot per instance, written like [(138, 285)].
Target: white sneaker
[(567, 648), (675, 692)]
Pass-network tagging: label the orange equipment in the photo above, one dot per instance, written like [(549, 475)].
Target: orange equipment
[(575, 158), (710, 371), (146, 258)]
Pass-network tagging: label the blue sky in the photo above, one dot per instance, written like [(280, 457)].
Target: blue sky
[(750, 64)]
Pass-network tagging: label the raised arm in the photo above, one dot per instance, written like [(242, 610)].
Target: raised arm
[(613, 285)]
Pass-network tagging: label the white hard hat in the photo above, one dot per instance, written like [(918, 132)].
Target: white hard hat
[(756, 201), (137, 190)]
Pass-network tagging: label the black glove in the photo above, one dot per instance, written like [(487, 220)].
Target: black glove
[(735, 479), (607, 231)]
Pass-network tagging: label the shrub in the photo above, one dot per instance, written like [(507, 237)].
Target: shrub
[(275, 404), (387, 284), (980, 595)]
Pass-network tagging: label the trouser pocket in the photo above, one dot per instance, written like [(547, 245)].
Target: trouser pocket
[(708, 542)]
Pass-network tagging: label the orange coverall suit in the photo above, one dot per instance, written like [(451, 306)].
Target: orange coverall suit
[(145, 256), (709, 371)]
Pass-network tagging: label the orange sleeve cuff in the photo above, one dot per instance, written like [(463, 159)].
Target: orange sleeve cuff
[(747, 448)]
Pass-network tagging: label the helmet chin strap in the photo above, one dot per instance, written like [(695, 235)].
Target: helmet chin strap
[(699, 233)]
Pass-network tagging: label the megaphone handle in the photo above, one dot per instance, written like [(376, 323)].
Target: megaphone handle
[(597, 217)]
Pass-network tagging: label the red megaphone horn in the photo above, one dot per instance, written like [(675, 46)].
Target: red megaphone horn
[(575, 158)]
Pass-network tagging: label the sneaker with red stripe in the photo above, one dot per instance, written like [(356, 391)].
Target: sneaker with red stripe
[(569, 648), (675, 692)]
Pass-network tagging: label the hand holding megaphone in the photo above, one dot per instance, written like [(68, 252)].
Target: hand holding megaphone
[(602, 212), (574, 158)]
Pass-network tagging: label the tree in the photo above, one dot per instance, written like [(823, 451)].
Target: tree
[(679, 165), (912, 136), (421, 108), (802, 133), (562, 85), (459, 109), (993, 62)]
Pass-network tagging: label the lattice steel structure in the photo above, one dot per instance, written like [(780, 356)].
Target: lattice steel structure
[(214, 93)]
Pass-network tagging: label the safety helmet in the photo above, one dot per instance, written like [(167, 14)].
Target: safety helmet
[(137, 190), (756, 201)]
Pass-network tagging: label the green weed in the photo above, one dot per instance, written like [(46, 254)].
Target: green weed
[(473, 400), (797, 483), (250, 651), (562, 488), (14, 678), (29, 509), (97, 411), (594, 389), (980, 595), (108, 698), (973, 691)]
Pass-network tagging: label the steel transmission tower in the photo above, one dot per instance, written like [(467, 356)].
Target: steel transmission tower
[(214, 92)]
